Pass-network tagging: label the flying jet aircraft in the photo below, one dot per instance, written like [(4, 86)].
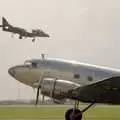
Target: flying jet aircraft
[(64, 79), (21, 31)]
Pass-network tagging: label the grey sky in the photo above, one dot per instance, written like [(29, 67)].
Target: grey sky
[(84, 30)]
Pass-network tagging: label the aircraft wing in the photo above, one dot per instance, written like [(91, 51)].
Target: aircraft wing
[(104, 91), (39, 33)]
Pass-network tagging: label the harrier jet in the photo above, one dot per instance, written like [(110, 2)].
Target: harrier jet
[(66, 79), (21, 31)]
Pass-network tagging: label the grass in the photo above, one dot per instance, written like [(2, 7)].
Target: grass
[(56, 113)]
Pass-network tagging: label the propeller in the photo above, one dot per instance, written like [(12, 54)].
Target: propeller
[(43, 98), (37, 96), (38, 89)]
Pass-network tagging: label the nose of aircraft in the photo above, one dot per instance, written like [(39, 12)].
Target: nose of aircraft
[(48, 35), (11, 71)]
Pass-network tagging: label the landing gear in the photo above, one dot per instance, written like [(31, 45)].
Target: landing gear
[(12, 35), (33, 40), (75, 113), (20, 37)]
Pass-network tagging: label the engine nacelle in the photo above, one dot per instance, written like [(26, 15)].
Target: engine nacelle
[(56, 88)]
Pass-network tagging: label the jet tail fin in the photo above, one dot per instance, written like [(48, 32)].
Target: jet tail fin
[(5, 22)]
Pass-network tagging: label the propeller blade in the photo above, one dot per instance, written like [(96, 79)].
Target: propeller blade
[(37, 97), (43, 98)]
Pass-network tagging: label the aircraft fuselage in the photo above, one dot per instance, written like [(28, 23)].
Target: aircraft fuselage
[(77, 72)]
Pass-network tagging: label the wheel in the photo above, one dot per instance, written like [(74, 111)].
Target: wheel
[(73, 114), (20, 37), (33, 40)]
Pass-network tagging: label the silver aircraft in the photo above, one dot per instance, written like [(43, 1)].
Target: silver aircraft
[(65, 79)]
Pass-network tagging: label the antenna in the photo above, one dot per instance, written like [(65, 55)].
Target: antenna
[(43, 56)]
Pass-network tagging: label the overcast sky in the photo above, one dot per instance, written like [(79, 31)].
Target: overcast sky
[(84, 30)]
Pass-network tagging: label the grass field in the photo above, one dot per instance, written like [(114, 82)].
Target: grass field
[(56, 113)]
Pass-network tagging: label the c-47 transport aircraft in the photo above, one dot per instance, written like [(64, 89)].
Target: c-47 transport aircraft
[(64, 79)]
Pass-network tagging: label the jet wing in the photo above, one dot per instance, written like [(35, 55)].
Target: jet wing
[(104, 91)]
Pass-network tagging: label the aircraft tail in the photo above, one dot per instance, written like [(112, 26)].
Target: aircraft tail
[(5, 22), (5, 25)]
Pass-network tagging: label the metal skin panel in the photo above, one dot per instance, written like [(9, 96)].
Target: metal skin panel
[(105, 91)]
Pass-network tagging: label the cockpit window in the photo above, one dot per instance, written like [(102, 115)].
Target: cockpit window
[(31, 64), (27, 63)]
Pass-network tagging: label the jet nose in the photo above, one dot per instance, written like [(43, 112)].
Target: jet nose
[(48, 35), (11, 71)]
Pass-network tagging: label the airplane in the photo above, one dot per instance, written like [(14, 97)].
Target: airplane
[(62, 79), (21, 31)]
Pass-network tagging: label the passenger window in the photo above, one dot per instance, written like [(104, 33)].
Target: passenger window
[(90, 78), (76, 76)]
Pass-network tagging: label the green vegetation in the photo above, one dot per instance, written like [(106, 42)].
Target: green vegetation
[(56, 113)]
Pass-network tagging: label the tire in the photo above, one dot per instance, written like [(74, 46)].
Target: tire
[(77, 113), (20, 37)]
